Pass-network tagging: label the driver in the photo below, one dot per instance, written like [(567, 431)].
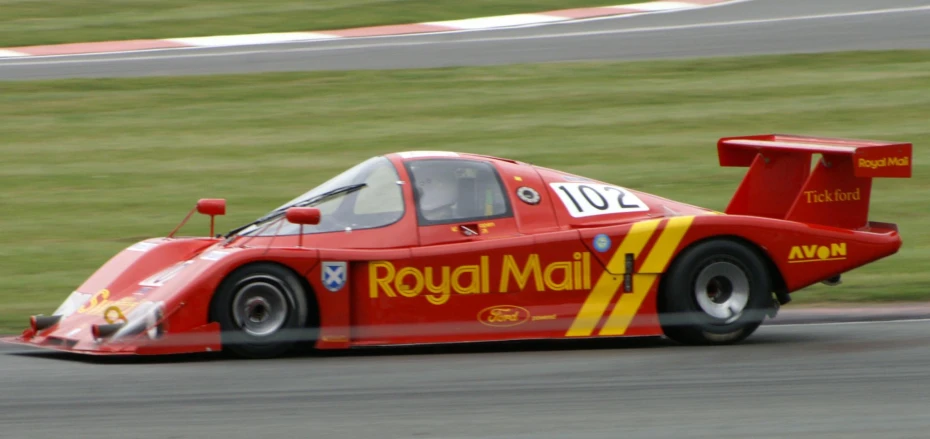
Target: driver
[(438, 191)]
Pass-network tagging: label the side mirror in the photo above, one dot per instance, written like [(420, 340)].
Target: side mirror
[(211, 206), (205, 206), (303, 215)]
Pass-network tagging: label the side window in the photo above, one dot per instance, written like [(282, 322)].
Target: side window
[(458, 190)]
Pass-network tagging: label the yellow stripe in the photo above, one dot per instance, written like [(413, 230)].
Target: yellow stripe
[(667, 243), (622, 314), (816, 260), (628, 305), (608, 284)]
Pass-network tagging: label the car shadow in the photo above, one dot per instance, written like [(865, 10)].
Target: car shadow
[(121, 359), (490, 347), (553, 345)]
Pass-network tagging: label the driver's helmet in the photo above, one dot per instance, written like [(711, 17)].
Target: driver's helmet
[(437, 188)]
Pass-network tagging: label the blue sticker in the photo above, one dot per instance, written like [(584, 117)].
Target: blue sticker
[(602, 243), (334, 275)]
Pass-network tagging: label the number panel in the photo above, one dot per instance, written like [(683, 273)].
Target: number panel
[(590, 199)]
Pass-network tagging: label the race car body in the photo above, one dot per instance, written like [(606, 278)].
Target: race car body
[(440, 247)]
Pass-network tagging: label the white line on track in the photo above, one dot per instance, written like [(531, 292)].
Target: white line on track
[(867, 322), (328, 44)]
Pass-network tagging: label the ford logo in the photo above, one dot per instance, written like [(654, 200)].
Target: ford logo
[(504, 315)]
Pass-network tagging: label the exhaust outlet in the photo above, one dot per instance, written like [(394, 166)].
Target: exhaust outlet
[(833, 281), (40, 322), (104, 331)]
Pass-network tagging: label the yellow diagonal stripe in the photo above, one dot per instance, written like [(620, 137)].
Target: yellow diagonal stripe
[(608, 284), (666, 244), (628, 305), (622, 314)]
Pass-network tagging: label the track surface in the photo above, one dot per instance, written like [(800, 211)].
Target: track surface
[(864, 380), (753, 27), (854, 380)]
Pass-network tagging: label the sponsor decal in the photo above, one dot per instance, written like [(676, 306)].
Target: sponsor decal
[(438, 283), (142, 246), (546, 317), (817, 253), (74, 302), (602, 243), (101, 305), (334, 275), (482, 227), (165, 275), (95, 299), (887, 162), (113, 314), (528, 195), (583, 200), (503, 315), (828, 196)]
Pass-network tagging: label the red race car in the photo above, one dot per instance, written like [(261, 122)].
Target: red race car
[(438, 247)]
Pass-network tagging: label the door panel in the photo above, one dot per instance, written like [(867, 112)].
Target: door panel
[(495, 289)]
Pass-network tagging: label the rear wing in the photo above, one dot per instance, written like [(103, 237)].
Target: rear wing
[(780, 183)]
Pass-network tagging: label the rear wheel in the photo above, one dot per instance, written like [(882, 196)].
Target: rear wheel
[(716, 292), (261, 309)]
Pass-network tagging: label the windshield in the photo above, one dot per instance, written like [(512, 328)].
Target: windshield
[(379, 203)]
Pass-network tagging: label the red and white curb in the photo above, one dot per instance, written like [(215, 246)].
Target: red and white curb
[(470, 24)]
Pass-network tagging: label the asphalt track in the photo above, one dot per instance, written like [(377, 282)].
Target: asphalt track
[(848, 380), (839, 380), (751, 27)]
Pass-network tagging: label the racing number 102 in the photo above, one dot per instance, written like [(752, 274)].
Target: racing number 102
[(587, 200)]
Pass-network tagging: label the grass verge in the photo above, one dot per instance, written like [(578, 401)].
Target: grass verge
[(67, 21), (90, 166)]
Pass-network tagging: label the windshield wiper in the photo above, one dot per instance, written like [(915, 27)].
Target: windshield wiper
[(305, 203)]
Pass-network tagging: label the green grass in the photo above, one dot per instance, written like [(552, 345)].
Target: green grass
[(29, 22), (90, 166)]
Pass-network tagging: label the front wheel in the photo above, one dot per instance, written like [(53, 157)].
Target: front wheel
[(716, 292), (261, 309)]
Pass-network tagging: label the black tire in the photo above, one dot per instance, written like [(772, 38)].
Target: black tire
[(262, 310), (727, 274)]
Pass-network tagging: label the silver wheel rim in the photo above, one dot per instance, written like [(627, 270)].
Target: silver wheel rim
[(260, 306), (722, 291)]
